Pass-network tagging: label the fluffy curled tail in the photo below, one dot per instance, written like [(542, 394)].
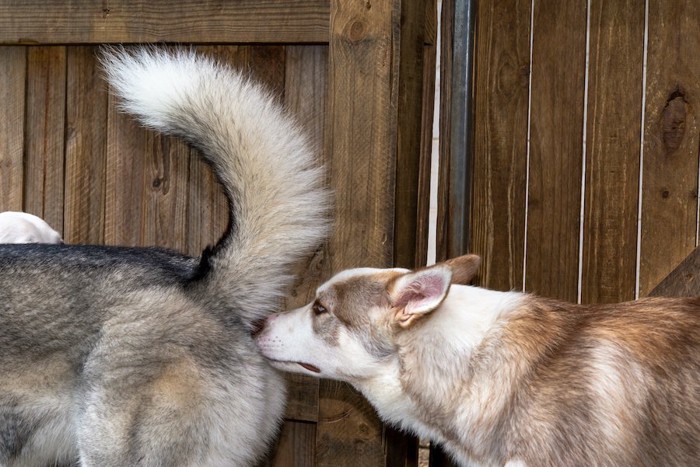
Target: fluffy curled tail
[(278, 206)]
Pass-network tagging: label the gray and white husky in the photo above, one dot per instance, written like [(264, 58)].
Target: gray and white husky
[(115, 356)]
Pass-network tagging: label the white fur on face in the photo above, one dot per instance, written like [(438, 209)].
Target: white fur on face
[(290, 341), (21, 227)]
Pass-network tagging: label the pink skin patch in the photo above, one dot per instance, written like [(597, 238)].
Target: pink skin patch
[(421, 292)]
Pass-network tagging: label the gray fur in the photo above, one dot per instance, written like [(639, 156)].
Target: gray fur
[(117, 356)]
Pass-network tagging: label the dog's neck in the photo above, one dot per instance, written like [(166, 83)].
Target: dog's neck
[(432, 363), (463, 319)]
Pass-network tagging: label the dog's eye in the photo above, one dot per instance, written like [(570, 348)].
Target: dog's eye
[(318, 309)]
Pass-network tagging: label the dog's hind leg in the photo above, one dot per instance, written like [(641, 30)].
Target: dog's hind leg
[(182, 417), (149, 420)]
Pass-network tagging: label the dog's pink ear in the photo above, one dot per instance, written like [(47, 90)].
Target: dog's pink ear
[(417, 293), (463, 268)]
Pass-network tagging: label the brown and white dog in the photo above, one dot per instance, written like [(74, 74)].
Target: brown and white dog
[(505, 377)]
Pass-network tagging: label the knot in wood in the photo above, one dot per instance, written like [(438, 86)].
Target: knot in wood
[(673, 121), (357, 31)]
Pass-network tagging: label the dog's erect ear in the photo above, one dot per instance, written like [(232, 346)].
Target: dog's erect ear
[(463, 268), (417, 293)]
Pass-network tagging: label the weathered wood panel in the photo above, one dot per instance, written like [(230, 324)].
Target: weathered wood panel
[(671, 139), (500, 139), (296, 446), (363, 58), (442, 229), (86, 148), (86, 21), (613, 151), (410, 105), (556, 122), (44, 134), (305, 96), (12, 86), (683, 281), (424, 177), (126, 155)]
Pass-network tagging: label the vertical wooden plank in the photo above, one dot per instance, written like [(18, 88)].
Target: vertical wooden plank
[(86, 148), (424, 177), (267, 64), (671, 139), (126, 159), (362, 109), (207, 208), (556, 125), (166, 173), (445, 132), (613, 147), (500, 139), (44, 134), (305, 97), (410, 105), (363, 61), (295, 447), (12, 88), (147, 184)]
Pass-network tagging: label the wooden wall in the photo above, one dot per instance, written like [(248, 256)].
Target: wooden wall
[(585, 168), (356, 74)]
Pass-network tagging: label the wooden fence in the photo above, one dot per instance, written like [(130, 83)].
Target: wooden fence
[(357, 74), (584, 177), (583, 162), (585, 149)]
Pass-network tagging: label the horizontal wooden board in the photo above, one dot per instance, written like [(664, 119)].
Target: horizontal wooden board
[(85, 21)]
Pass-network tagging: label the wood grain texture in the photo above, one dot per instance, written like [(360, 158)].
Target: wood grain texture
[(424, 174), (305, 97), (500, 155), (683, 281), (295, 447), (89, 22), (671, 139), (408, 138), (147, 184), (86, 148), (165, 191), (44, 134), (613, 151), (12, 89), (442, 240), (349, 433), (363, 62), (124, 179), (361, 140), (556, 148), (431, 23)]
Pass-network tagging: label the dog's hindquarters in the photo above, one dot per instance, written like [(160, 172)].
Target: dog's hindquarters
[(185, 399)]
